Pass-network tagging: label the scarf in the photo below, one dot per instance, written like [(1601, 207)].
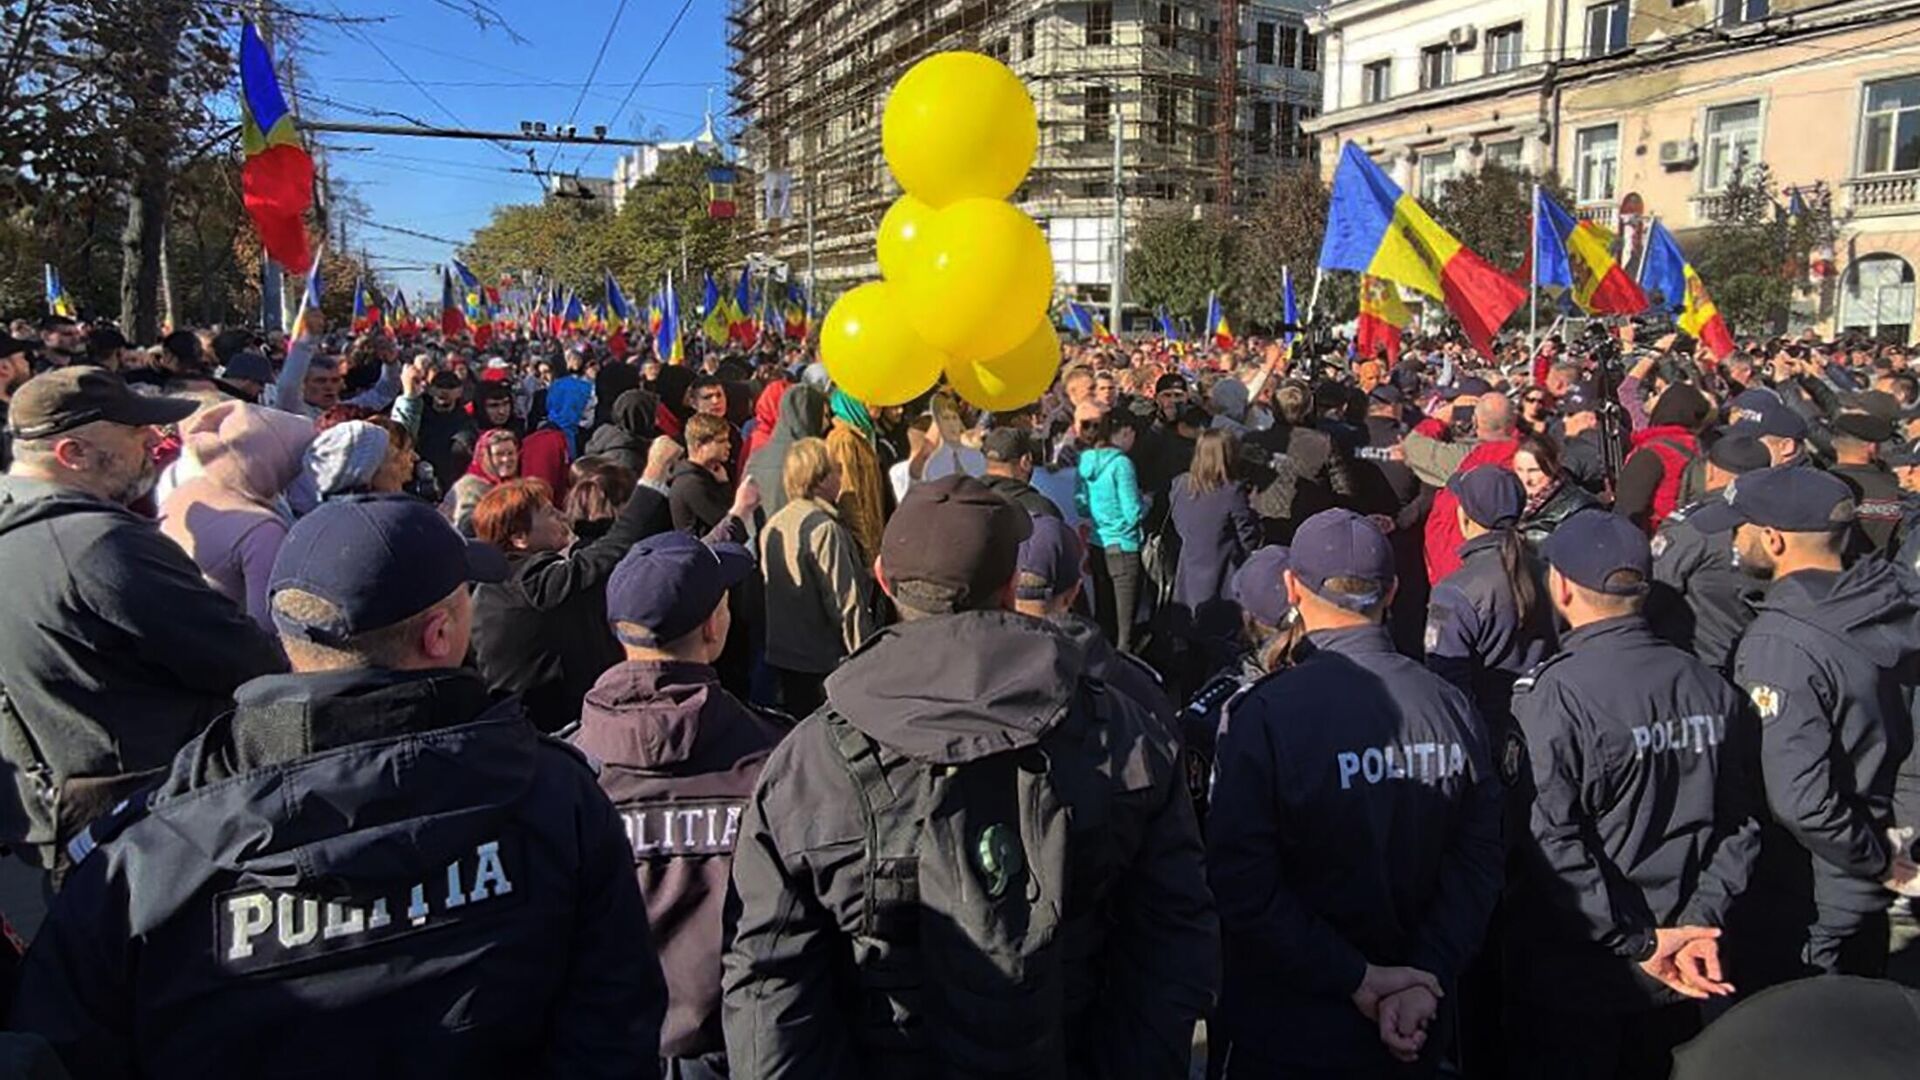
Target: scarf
[(482, 452), (846, 408), (567, 402)]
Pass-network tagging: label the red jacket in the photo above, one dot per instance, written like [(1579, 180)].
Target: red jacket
[(1676, 447), (543, 454), (1443, 527)]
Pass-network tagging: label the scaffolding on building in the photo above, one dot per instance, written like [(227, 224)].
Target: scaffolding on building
[(809, 80)]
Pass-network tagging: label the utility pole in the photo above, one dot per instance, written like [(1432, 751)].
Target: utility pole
[(1115, 298)]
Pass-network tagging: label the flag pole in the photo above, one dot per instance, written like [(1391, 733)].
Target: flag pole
[(1533, 278), (1313, 299)]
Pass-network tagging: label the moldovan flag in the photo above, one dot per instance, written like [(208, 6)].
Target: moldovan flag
[(1578, 256), (1217, 329), (452, 321), (740, 324), (366, 307), (717, 325), (1669, 274), (1382, 317), (666, 339), (58, 303), (1375, 228), (403, 317), (798, 322), (1079, 319), (617, 307), (276, 182)]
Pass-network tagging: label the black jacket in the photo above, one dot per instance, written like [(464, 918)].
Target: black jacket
[(1475, 637), (698, 499), (1829, 664), (678, 756), (435, 439), (357, 873), (1355, 820), (1023, 495), (1700, 600), (543, 633), (114, 651), (1141, 955), (1296, 473), (1569, 499), (1642, 813), (1877, 506)]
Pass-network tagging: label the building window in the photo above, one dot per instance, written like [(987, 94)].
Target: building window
[(1733, 140), (1165, 29), (1263, 43), (1596, 161), (1289, 47), (1503, 49), (1100, 22), (1876, 298), (1376, 81), (1891, 139), (1508, 154), (1606, 28), (1026, 39), (1435, 171), (1166, 112), (1263, 127), (1205, 117), (1436, 66), (1309, 52), (1743, 12), (1289, 131), (1213, 39), (997, 48), (1099, 112)]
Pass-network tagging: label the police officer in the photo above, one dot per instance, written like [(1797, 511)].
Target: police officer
[(1760, 413), (1829, 667), (367, 868), (1699, 600), (1354, 841), (1386, 485), (1640, 828), (679, 756), (1272, 638), (904, 902), (1487, 623), (1876, 492)]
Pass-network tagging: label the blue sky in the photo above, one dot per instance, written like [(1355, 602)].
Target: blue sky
[(483, 79)]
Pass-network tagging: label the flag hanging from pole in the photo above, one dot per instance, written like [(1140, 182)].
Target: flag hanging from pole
[(617, 301), (1669, 275), (1218, 330), (1289, 308), (276, 181), (1382, 317), (452, 321), (716, 324), (1578, 256), (58, 303), (1375, 228)]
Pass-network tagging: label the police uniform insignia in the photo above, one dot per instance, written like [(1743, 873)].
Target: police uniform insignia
[(998, 857), (1659, 545), (1766, 700), (1513, 757), (1432, 638)]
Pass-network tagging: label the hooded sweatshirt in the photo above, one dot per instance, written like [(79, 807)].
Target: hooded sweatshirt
[(766, 414), (1829, 664), (626, 437), (1109, 496), (802, 416), (230, 517), (356, 873), (670, 742)]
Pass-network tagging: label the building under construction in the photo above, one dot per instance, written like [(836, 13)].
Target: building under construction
[(1188, 104)]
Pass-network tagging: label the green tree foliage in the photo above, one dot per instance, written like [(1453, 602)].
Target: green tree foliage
[(1754, 256), (1490, 210), (573, 241)]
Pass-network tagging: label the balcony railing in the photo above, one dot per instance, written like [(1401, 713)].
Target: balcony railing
[(1598, 213), (1708, 208), (1892, 193)]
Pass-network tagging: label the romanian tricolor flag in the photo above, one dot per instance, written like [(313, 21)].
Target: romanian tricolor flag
[(617, 307), (799, 323), (576, 313), (717, 325), (1578, 256), (556, 312), (1669, 275), (1382, 317), (1218, 331), (58, 303), (403, 322), (740, 325), (452, 322), (367, 313), (720, 181), (1375, 228), (666, 338), (276, 182)]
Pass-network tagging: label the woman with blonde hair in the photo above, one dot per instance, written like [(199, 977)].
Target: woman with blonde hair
[(818, 590)]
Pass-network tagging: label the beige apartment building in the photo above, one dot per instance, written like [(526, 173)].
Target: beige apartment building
[(1659, 99)]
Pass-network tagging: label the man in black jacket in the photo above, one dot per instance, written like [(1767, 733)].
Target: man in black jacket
[(1009, 452), (679, 756), (1354, 836), (1641, 828), (113, 649), (904, 905), (1700, 600), (366, 869), (1829, 663)]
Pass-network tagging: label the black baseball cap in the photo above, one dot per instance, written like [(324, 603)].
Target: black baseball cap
[(1054, 552), (1007, 444), (1602, 551), (1739, 454), (61, 400), (1172, 380), (670, 583), (1761, 412), (1791, 498), (1903, 456), (1863, 426), (955, 532), (1491, 496), (378, 559), (1386, 394), (1342, 544), (248, 365)]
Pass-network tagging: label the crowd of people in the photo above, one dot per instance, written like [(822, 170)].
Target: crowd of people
[(547, 709)]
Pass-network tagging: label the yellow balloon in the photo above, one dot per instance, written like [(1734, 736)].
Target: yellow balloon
[(870, 350), (959, 125), (901, 228), (1011, 380), (980, 275)]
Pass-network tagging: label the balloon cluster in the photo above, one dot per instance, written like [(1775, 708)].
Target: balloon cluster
[(967, 277)]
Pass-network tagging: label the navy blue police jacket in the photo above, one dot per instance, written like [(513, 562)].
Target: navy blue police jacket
[(1476, 639), (1701, 601), (1355, 821), (1642, 813), (1829, 664), (360, 873)]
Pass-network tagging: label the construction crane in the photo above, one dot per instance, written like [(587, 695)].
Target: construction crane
[(1229, 96)]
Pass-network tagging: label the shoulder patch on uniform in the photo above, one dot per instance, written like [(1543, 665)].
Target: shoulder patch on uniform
[(1767, 700), (1660, 541), (1513, 757), (108, 825), (1525, 683)]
